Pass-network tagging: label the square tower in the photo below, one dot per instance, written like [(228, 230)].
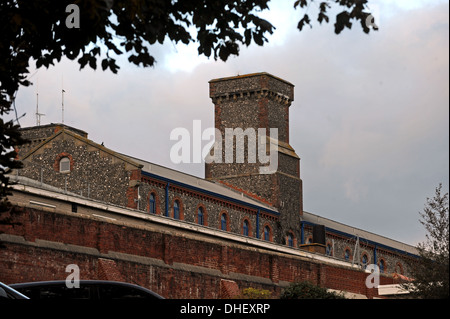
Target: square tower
[(249, 109)]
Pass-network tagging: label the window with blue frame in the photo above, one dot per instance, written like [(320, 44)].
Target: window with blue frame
[(223, 221), (347, 254), (329, 250), (267, 233), (152, 203), (290, 240), (245, 227), (382, 266), (176, 210), (365, 259), (201, 216)]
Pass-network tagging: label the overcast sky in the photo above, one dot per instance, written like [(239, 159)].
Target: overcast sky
[(370, 119)]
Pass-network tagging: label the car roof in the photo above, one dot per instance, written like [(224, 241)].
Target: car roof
[(84, 283)]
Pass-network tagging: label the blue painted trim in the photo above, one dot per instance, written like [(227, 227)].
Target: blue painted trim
[(257, 223), (200, 190), (167, 199), (302, 232), (375, 254)]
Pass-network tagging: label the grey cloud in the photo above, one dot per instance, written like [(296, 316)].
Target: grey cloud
[(369, 120)]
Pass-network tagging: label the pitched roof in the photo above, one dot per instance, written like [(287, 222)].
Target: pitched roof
[(193, 182), (85, 141), (200, 184), (352, 232)]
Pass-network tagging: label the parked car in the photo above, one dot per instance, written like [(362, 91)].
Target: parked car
[(7, 292), (88, 289)]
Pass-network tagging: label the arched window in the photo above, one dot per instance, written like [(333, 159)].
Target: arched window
[(329, 250), (176, 210), (201, 216), (152, 204), (223, 221), (382, 266), (64, 165), (347, 254), (364, 260), (290, 240), (267, 233), (245, 228)]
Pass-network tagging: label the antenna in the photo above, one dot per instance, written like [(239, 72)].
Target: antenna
[(38, 115), (62, 100), (62, 105)]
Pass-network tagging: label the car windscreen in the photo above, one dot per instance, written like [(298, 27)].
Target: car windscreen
[(46, 292)]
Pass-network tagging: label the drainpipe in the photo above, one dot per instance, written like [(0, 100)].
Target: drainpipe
[(167, 199), (302, 232), (257, 223)]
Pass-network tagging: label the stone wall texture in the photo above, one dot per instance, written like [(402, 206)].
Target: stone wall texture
[(258, 101), (175, 263), (94, 172), (160, 260)]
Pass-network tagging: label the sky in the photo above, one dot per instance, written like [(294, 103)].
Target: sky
[(370, 117)]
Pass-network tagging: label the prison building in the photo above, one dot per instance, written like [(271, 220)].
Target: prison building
[(245, 198)]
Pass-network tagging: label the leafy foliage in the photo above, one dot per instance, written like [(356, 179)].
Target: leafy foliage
[(431, 271), (9, 139), (354, 10), (37, 30), (307, 290), (253, 293)]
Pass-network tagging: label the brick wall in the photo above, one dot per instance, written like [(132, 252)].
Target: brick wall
[(175, 263)]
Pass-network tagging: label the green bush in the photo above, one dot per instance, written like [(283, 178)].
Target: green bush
[(252, 293), (307, 290)]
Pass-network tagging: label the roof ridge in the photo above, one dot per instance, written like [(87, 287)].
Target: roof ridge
[(246, 193), (85, 140)]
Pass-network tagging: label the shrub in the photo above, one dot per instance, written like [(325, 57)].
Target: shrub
[(307, 290), (252, 293)]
